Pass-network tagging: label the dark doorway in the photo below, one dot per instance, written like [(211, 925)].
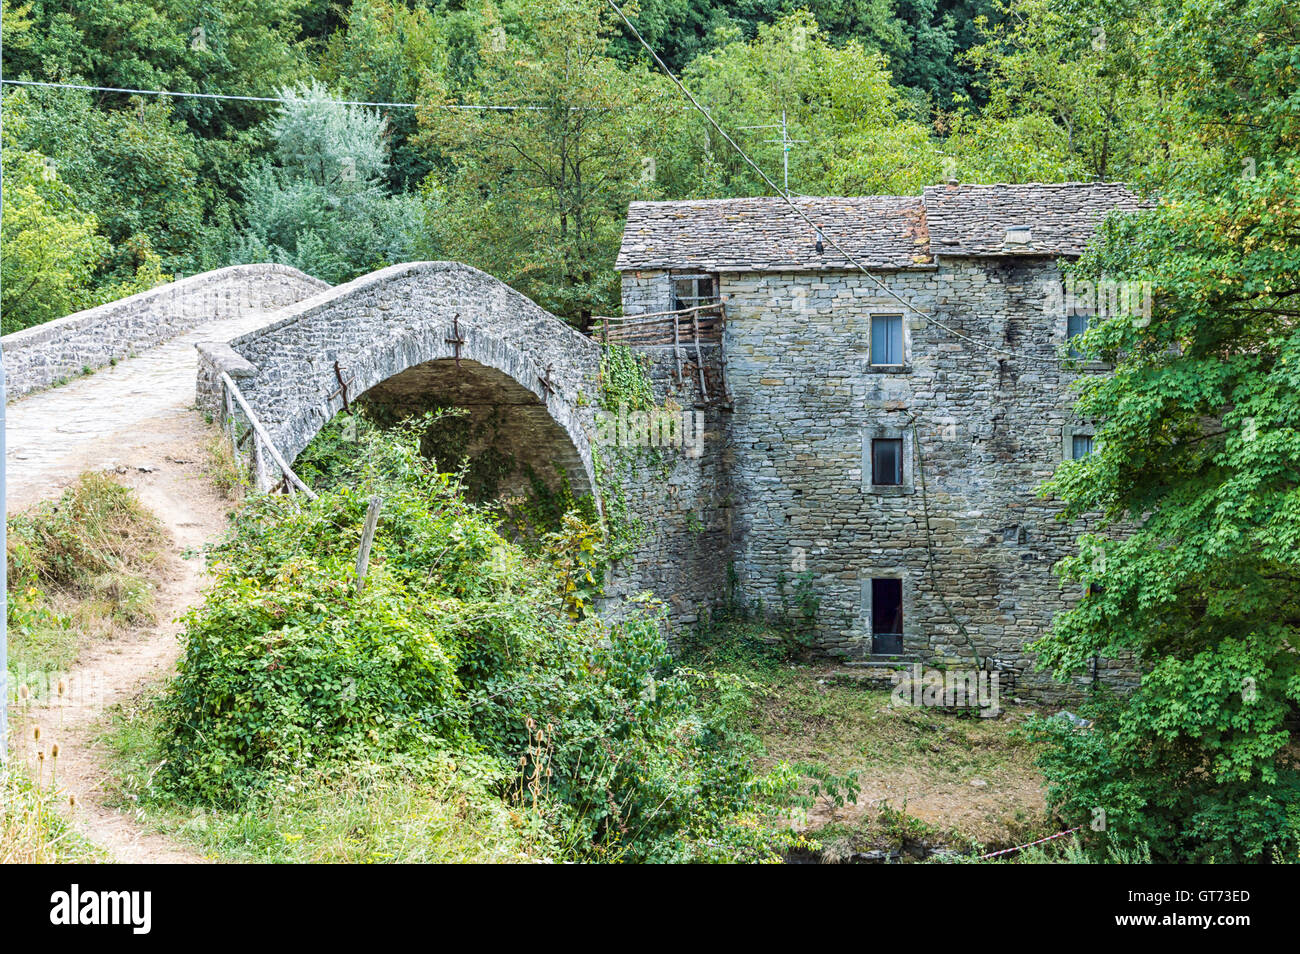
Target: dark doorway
[(886, 617)]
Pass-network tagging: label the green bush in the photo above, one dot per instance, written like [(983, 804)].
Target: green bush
[(1203, 787), (460, 645)]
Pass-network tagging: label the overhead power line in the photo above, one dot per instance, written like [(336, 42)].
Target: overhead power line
[(259, 99), (803, 215)]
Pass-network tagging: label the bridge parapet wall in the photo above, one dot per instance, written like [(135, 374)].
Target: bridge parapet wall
[(45, 354)]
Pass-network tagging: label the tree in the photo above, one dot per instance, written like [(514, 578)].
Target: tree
[(136, 169), (1198, 454), (1069, 95), (537, 196), (321, 204), (858, 134), (920, 38), (50, 247), (388, 52), (215, 46)]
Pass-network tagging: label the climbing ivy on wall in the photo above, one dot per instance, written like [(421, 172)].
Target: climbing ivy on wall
[(623, 380)]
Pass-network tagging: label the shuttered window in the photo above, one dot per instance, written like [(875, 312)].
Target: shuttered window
[(1075, 325), (887, 339)]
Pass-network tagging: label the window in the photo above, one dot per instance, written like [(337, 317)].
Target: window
[(887, 340), (1080, 446), (692, 290), (1075, 325), (886, 617), (887, 461)]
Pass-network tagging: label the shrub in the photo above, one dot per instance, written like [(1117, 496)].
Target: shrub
[(460, 645)]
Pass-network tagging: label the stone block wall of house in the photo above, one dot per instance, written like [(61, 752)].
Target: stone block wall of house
[(972, 541), (678, 497), (785, 494)]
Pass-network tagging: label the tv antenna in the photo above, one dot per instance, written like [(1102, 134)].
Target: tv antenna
[(785, 142)]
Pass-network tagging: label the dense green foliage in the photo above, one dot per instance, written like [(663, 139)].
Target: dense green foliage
[(459, 647), (320, 203), (1198, 462), (151, 187), (1199, 454)]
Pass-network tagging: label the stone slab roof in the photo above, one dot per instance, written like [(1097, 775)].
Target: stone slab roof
[(882, 232), (765, 234), (1061, 217)]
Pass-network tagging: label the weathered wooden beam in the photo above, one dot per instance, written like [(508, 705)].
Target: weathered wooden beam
[(285, 469), (367, 538)]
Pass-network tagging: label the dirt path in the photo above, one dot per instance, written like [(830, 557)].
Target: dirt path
[(177, 490), (134, 420)]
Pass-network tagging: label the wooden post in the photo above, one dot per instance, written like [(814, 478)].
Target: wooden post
[(699, 355), (677, 349), (367, 538), (285, 469), (722, 351)]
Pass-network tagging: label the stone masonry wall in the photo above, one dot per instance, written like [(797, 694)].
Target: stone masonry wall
[(42, 355), (679, 495), (981, 430)]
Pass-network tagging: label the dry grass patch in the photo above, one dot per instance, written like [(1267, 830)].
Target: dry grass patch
[(81, 568), (967, 779)]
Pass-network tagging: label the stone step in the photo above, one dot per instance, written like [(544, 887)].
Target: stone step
[(881, 662)]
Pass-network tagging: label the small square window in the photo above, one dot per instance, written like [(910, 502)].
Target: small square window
[(887, 340), (1080, 446), (887, 461), (886, 616), (690, 291)]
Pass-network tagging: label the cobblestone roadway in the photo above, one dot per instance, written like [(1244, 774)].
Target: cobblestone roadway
[(128, 415)]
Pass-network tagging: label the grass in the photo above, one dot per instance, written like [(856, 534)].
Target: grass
[(928, 778), (364, 814), (32, 829), (225, 469), (81, 568)]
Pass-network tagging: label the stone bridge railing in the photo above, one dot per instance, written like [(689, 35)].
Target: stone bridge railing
[(46, 354)]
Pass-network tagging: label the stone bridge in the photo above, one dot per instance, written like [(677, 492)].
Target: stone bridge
[(115, 386), (412, 337)]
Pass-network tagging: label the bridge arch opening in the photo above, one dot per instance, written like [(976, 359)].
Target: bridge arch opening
[(500, 434)]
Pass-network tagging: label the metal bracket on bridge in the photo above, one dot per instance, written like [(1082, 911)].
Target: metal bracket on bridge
[(455, 340), (547, 384), (343, 388)]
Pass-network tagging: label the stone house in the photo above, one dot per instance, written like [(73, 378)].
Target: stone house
[(873, 468)]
